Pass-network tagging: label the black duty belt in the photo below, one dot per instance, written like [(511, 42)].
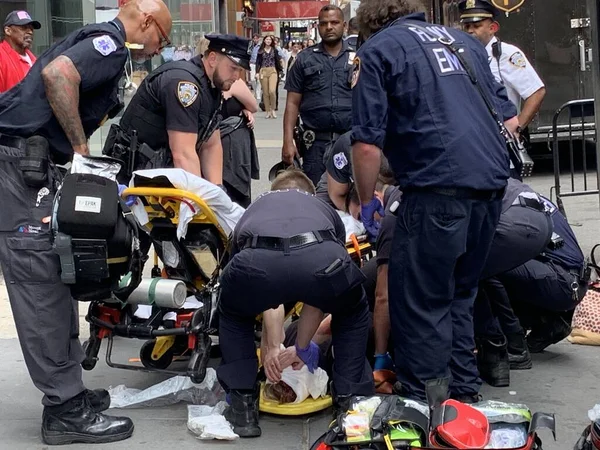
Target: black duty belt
[(12, 141), (465, 193), (293, 242), (325, 135)]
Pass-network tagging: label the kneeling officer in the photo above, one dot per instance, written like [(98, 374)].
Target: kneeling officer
[(289, 247), (175, 112)]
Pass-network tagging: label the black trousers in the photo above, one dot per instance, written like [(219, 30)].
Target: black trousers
[(256, 280)]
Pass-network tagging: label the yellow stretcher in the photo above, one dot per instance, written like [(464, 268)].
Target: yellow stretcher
[(164, 203)]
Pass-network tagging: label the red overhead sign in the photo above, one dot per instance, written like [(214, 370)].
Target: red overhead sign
[(288, 10)]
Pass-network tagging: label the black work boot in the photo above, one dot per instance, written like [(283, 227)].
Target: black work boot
[(547, 330), (242, 414), (76, 422), (518, 352), (99, 399), (492, 362)]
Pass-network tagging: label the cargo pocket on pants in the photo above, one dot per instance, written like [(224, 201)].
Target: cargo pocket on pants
[(32, 259), (339, 279)]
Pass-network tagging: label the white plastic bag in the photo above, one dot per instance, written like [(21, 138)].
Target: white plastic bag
[(103, 167), (207, 422), (304, 383), (169, 392)]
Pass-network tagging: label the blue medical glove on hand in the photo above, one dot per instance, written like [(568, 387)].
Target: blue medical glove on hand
[(367, 215), (130, 200), (383, 362), (309, 355)]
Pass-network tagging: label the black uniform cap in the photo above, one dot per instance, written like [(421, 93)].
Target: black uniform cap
[(234, 47), (476, 10)]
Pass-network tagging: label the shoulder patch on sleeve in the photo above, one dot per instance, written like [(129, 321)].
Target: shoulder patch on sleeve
[(187, 93), (518, 59), (104, 45), (355, 72), (340, 161)]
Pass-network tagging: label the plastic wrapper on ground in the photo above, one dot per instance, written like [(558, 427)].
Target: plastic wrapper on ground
[(207, 422), (169, 392)]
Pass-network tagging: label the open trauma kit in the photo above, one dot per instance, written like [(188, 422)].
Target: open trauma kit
[(389, 422)]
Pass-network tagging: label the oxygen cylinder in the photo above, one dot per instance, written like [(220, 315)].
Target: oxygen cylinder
[(161, 292)]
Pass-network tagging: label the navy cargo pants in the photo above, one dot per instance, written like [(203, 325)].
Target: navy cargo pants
[(46, 317), (522, 234), (256, 280), (439, 248)]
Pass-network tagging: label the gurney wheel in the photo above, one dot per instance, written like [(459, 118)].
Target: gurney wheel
[(146, 356)]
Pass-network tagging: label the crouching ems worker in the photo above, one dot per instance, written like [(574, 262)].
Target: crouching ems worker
[(289, 247)]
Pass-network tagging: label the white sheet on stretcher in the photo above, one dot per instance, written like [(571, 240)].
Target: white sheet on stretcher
[(228, 213), (352, 225)]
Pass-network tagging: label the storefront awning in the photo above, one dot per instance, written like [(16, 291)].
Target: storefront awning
[(288, 10)]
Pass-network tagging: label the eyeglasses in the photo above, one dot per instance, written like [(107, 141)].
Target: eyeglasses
[(164, 41)]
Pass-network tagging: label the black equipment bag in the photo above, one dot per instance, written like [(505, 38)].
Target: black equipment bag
[(96, 238)]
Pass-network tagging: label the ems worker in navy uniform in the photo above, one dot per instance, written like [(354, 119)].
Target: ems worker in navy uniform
[(508, 63), (43, 121), (318, 87), (175, 109), (523, 232), (545, 290), (289, 247), (452, 169)]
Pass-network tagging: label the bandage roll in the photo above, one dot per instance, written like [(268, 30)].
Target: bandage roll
[(161, 292)]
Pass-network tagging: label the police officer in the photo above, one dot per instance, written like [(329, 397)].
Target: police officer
[(175, 109), (289, 247), (508, 63), (452, 170), (523, 232), (352, 34), (43, 121), (318, 86), (545, 290)]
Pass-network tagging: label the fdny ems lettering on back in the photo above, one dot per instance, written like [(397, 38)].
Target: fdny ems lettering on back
[(442, 59)]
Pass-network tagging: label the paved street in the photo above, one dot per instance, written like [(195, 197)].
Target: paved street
[(564, 380)]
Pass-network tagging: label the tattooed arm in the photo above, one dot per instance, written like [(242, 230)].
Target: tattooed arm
[(62, 82)]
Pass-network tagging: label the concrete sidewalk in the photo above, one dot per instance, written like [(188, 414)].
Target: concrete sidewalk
[(565, 379)]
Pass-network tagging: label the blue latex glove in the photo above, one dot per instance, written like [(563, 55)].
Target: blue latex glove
[(309, 355), (383, 362), (367, 215), (130, 200)]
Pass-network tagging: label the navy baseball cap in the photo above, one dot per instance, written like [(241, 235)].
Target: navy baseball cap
[(234, 47), (476, 11), (21, 18)]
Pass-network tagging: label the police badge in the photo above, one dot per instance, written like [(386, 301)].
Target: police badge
[(187, 93), (470, 4)]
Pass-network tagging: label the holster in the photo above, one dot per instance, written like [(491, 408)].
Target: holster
[(35, 163), (133, 154)]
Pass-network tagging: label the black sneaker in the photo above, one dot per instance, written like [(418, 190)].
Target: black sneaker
[(242, 414), (76, 422), (518, 352), (492, 362), (99, 399), (548, 330)]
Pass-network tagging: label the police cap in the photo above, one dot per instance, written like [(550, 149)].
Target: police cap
[(21, 18), (476, 10), (280, 167), (234, 47)]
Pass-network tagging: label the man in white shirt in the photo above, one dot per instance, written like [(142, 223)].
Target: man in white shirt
[(509, 64)]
